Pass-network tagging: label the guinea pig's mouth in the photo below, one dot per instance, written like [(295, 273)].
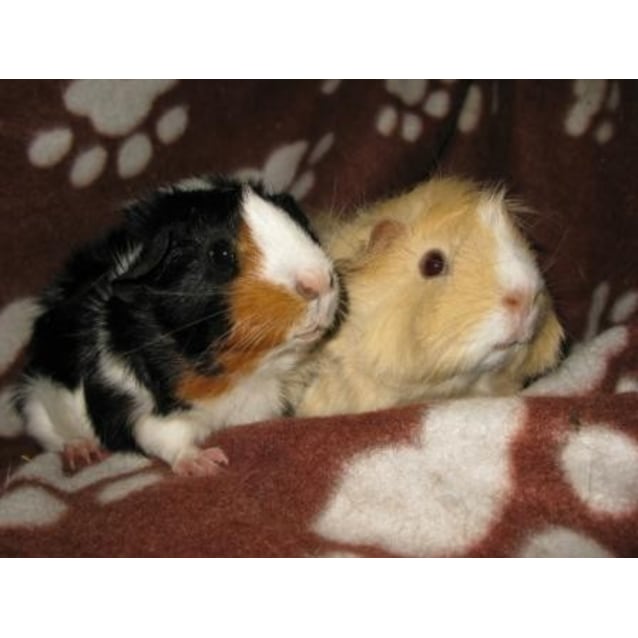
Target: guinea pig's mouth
[(512, 343), (321, 317), (310, 334)]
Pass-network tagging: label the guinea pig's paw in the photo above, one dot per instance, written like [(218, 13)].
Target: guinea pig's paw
[(206, 462), (80, 453)]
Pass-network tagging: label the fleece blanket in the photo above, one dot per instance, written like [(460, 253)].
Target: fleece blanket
[(550, 472)]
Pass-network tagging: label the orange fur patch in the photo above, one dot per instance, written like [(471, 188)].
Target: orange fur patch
[(262, 315)]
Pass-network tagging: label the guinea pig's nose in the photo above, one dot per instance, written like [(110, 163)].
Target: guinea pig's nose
[(519, 301), (522, 305), (313, 283)]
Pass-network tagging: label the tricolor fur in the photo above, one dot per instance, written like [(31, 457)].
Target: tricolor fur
[(182, 320)]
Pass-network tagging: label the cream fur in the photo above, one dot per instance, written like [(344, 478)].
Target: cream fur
[(407, 338)]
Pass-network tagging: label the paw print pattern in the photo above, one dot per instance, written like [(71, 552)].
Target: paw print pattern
[(328, 87), (445, 467), (555, 540), (620, 312), (417, 99), (591, 458), (115, 109), (588, 364), (291, 167), (593, 107), (444, 492), (36, 495)]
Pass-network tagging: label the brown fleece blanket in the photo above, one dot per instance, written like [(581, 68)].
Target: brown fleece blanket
[(552, 472)]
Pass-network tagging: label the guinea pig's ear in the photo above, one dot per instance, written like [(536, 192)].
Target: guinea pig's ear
[(384, 234), (150, 258)]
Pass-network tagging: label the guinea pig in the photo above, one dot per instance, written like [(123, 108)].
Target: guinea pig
[(183, 319), (445, 299)]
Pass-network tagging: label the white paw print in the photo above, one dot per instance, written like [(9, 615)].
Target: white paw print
[(621, 310), (290, 167), (418, 100), (40, 493), (116, 109), (595, 102), (328, 87), (588, 363)]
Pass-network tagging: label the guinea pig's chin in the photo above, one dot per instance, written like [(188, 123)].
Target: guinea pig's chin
[(309, 335), (320, 317), (495, 358)]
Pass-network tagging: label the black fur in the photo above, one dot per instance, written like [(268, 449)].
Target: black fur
[(168, 305)]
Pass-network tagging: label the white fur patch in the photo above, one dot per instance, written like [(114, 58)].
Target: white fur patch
[(286, 248), (515, 266), (168, 438), (118, 375), (192, 184), (31, 506), (585, 368), (438, 496), (601, 465), (256, 397), (54, 414), (561, 542)]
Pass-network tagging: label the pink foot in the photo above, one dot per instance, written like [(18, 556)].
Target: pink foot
[(80, 453), (201, 462)]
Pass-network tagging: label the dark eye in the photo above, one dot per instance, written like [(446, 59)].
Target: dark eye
[(433, 264), (221, 254)]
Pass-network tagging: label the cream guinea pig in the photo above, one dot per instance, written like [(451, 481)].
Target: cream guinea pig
[(445, 299)]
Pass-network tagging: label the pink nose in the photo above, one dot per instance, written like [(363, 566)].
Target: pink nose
[(518, 301), (311, 284), (520, 305)]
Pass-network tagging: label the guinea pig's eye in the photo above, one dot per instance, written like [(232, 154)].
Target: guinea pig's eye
[(433, 264), (221, 254)]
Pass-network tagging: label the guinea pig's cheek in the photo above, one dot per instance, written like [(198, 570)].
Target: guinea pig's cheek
[(481, 344), (263, 314)]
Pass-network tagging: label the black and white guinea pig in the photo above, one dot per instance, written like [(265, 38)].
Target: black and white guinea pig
[(182, 320)]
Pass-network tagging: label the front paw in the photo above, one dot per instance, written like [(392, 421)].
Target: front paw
[(80, 453), (206, 462)]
